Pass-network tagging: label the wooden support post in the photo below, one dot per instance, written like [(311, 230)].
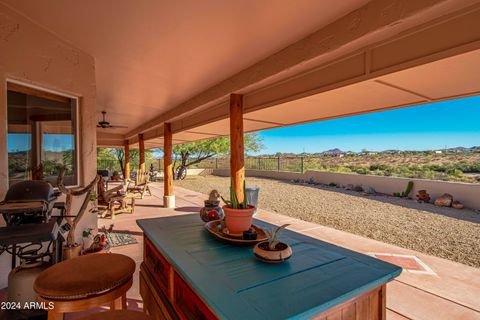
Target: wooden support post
[(237, 161), (168, 196), (126, 171), (141, 152)]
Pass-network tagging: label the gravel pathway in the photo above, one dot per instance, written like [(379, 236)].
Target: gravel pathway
[(443, 232)]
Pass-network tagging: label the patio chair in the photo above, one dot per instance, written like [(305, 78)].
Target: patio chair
[(114, 201), (140, 184)]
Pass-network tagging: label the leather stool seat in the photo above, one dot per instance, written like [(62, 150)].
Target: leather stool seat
[(84, 276), (117, 315)]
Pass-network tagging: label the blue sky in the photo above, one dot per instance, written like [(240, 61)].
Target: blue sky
[(433, 126), (51, 142)]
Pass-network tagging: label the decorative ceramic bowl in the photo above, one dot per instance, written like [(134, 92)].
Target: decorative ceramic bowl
[(281, 253)]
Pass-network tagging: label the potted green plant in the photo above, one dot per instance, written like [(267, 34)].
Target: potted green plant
[(238, 215), (272, 250), (115, 176)]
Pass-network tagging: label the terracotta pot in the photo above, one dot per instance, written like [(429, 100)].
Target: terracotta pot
[(238, 220), (71, 252), (281, 253)]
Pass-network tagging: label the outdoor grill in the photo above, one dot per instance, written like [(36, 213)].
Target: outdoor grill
[(28, 202)]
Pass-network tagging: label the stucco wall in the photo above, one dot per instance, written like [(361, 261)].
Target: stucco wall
[(32, 55), (468, 194)]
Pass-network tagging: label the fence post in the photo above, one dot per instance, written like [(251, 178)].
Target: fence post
[(216, 163), (301, 158), (278, 163), (259, 164)]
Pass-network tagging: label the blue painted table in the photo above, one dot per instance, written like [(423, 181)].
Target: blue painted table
[(184, 263)]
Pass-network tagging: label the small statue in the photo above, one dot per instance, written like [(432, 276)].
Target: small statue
[(212, 210), (214, 196)]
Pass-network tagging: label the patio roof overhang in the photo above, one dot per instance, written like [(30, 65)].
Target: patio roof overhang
[(155, 65)]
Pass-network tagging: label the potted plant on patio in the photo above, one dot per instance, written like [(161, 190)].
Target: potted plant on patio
[(272, 250), (115, 176), (238, 215)]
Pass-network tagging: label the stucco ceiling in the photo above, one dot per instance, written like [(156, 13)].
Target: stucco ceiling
[(441, 80), (151, 55)]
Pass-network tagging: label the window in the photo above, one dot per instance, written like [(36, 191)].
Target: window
[(41, 135)]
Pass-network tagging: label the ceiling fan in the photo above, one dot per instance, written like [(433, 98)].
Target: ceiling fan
[(104, 124)]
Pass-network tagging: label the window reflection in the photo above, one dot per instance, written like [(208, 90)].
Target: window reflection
[(41, 135)]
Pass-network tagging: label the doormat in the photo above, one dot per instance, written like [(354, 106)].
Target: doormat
[(115, 239)]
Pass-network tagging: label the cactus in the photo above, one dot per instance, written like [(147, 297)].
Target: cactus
[(406, 193), (233, 202)]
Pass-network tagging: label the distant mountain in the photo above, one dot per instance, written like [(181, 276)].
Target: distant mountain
[(462, 149), (333, 152)]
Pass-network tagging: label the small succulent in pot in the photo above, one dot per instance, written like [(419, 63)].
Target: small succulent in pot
[(272, 250)]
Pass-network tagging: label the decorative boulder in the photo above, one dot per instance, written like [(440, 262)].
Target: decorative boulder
[(444, 201), (423, 196), (457, 204)]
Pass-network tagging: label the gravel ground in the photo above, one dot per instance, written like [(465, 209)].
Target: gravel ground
[(443, 232)]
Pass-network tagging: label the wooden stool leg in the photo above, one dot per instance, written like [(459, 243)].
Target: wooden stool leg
[(117, 304), (53, 315), (124, 301)]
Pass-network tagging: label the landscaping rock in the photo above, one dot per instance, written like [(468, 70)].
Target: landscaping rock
[(457, 204), (423, 196), (358, 188), (349, 187), (444, 201)]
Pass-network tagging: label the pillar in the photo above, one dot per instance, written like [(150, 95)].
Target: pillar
[(237, 162), (141, 152), (168, 195), (126, 170)]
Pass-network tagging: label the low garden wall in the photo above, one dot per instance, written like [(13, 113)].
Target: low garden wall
[(466, 193)]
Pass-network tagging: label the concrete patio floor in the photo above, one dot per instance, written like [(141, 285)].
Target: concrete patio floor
[(451, 291)]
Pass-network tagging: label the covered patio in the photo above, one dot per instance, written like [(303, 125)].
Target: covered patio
[(450, 292), (171, 73)]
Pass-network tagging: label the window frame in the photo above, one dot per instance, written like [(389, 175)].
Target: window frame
[(76, 102)]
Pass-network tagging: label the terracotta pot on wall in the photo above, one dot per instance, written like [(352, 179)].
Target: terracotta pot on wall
[(238, 220)]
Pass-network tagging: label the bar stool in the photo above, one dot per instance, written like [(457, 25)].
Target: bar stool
[(118, 315), (85, 282)]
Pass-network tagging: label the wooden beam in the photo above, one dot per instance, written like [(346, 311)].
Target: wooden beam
[(167, 160), (141, 152), (127, 160), (237, 168), (35, 92)]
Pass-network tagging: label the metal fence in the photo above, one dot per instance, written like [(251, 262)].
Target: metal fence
[(114, 165), (293, 164)]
